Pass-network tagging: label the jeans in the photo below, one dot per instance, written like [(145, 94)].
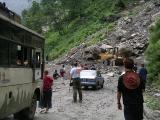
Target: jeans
[(77, 88)]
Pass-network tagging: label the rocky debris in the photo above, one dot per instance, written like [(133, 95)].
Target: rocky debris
[(157, 3), (104, 47), (83, 53), (91, 53), (155, 16), (75, 54), (151, 115), (125, 52), (111, 74), (157, 94), (132, 31)]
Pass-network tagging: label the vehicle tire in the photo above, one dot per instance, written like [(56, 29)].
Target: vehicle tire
[(17, 116), (27, 113), (96, 86)]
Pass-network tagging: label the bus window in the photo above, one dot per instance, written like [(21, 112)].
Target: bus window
[(5, 30), (27, 54), (16, 54), (38, 59), (4, 52)]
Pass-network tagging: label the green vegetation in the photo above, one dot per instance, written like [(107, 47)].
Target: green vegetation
[(153, 56), (68, 23)]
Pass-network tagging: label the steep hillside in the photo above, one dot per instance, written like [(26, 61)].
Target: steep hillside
[(153, 55), (70, 24), (122, 23), (129, 31)]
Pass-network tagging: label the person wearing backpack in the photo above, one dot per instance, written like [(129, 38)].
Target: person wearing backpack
[(130, 88)]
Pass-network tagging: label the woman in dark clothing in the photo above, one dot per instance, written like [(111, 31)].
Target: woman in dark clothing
[(130, 87), (47, 91)]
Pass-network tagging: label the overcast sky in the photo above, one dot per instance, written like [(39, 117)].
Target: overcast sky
[(17, 5)]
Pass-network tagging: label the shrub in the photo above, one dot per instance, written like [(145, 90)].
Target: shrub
[(153, 54)]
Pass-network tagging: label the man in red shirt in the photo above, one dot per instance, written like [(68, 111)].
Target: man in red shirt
[(47, 91)]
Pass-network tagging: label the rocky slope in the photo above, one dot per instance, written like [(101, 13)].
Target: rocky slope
[(131, 31)]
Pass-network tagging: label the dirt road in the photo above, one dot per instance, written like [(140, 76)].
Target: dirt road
[(96, 105)]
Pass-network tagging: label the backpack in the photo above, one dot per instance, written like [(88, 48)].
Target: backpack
[(131, 80)]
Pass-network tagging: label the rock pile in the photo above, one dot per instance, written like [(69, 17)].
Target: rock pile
[(132, 31)]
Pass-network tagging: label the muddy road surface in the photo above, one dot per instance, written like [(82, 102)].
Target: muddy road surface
[(96, 105)]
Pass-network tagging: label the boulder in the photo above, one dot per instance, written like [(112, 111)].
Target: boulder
[(91, 53), (125, 52)]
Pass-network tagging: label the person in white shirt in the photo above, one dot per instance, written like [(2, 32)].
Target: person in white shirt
[(75, 76)]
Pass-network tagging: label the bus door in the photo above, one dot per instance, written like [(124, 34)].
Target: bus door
[(38, 64)]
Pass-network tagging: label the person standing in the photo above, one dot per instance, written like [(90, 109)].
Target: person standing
[(55, 75), (62, 73), (85, 67), (47, 91), (75, 76), (143, 73), (130, 88), (93, 67)]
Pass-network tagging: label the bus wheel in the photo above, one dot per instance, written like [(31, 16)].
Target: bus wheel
[(32, 109), (27, 113)]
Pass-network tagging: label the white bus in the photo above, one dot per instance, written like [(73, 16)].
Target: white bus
[(21, 68)]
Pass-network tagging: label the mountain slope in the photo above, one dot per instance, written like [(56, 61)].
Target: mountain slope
[(70, 25)]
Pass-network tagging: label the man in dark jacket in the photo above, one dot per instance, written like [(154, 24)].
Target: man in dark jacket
[(143, 73), (130, 88)]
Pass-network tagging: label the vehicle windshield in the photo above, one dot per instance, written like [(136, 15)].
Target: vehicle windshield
[(89, 74)]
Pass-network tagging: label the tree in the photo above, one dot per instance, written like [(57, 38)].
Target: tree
[(75, 7), (153, 54), (120, 4), (33, 18), (55, 13)]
